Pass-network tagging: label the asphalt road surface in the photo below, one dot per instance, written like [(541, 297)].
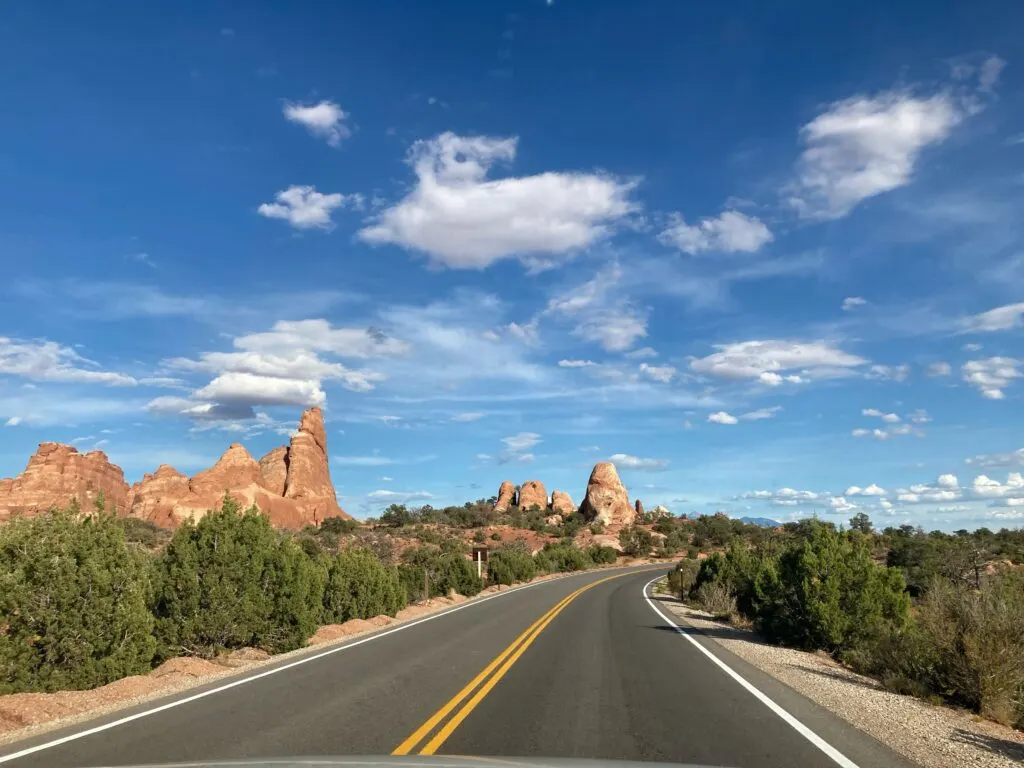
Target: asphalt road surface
[(581, 666)]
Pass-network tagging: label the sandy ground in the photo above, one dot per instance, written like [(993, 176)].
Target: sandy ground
[(932, 736), (26, 714)]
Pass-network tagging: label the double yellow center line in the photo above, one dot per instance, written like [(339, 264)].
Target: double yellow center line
[(483, 682)]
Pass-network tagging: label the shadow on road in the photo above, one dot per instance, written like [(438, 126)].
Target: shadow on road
[(1002, 747)]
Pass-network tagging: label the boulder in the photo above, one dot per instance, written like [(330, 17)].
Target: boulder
[(532, 493), (553, 520), (561, 502), (506, 496), (606, 499), (58, 473)]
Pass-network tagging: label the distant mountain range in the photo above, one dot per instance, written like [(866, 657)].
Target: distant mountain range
[(764, 522)]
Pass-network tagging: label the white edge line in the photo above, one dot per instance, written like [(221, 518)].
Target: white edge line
[(838, 757), (242, 681)]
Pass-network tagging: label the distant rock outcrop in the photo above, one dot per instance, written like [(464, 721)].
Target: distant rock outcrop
[(561, 502), (532, 493), (639, 507), (58, 473), (607, 500), (506, 496), (291, 484)]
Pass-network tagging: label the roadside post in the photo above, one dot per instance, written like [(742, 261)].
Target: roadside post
[(480, 557)]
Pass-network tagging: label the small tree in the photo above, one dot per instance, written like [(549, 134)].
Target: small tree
[(635, 541), (359, 586), (862, 523)]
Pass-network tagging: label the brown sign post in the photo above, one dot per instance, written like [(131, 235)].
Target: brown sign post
[(480, 557)]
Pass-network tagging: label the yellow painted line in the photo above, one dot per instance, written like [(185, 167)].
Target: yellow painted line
[(503, 662)]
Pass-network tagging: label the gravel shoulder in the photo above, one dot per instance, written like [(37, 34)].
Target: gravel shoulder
[(932, 736)]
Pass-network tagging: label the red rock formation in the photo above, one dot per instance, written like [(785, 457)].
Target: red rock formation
[(274, 470), (561, 502), (639, 507), (58, 473), (291, 484), (532, 493), (606, 499), (506, 497)]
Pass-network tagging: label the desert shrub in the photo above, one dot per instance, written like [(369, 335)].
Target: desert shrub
[(715, 598), (563, 558), (149, 535), (509, 565), (572, 524), (495, 536), (682, 578), (359, 586), (338, 525), (231, 581), (445, 571), (826, 592), (73, 604), (602, 555), (636, 541), (676, 540), (597, 527)]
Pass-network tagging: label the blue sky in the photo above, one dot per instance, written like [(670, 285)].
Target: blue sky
[(769, 261)]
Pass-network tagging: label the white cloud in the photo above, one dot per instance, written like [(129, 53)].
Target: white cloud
[(999, 319), (635, 462), (1011, 459), (13, 421), (468, 416), (889, 372), (732, 231), (318, 335), (721, 417), (643, 353), (518, 444), (871, 490), (852, 302), (888, 418), (524, 332), (864, 146), (615, 328), (374, 460), (752, 359), (987, 488), (464, 220), (877, 434), (991, 375), (989, 74), (49, 361), (575, 363), (325, 120), (262, 390), (840, 504), (920, 416), (398, 497), (305, 208), (386, 479), (772, 379), (972, 347), (947, 481), (940, 368), (662, 373), (761, 414), (784, 496)]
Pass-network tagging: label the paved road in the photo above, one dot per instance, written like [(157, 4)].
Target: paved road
[(575, 667)]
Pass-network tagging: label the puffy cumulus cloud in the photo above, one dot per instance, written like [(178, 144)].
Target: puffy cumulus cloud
[(864, 146), (754, 359), (662, 373), (761, 414), (987, 461), (839, 504), (946, 488), (888, 418), (464, 220), (985, 487), (940, 368), (635, 462), (999, 319), (991, 376), (877, 434), (730, 232), (852, 302), (947, 481), (282, 366), (772, 379), (305, 208), (49, 361), (721, 417), (326, 120), (871, 490), (785, 497)]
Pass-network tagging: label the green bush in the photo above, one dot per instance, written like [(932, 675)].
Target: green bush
[(73, 604), (446, 571), (231, 581), (359, 586), (563, 558), (149, 535), (339, 525), (495, 536), (826, 592), (636, 541), (602, 555), (682, 578), (510, 565)]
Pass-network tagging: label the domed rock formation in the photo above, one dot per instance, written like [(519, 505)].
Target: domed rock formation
[(607, 500), (532, 493), (58, 473), (506, 497), (561, 502)]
